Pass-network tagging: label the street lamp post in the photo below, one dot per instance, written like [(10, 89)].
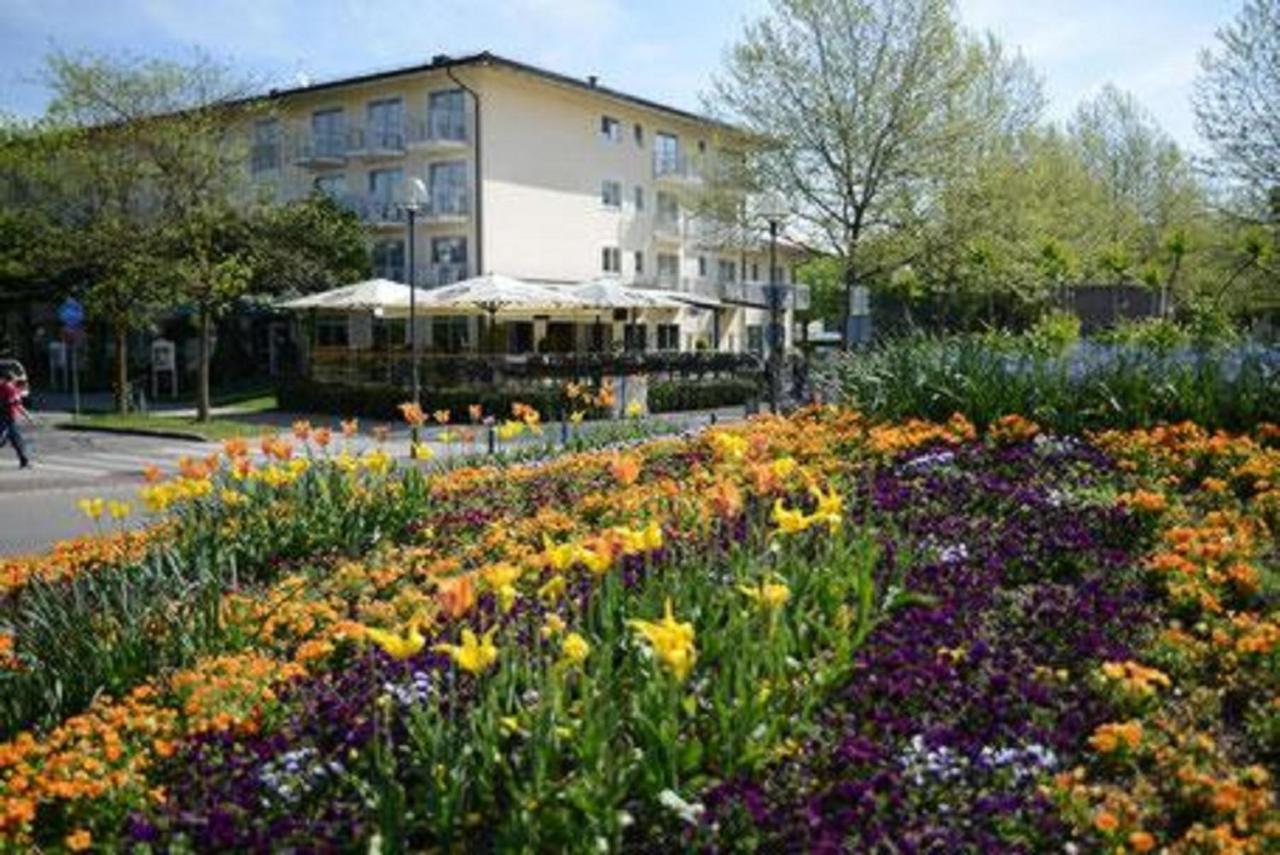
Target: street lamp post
[(414, 202), (773, 211)]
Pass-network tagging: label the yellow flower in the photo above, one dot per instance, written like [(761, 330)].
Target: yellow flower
[(156, 498), (634, 409), (789, 521), (577, 416), (473, 655), (376, 461), (672, 641), (93, 508), (560, 556), (575, 649), (396, 646), (553, 625), (501, 574), (596, 560), (118, 510), (232, 498), (830, 507), (420, 451), (553, 588), (652, 536), (345, 462), (768, 595), (784, 466)]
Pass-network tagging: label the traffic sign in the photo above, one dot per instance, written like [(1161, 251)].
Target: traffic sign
[(71, 313)]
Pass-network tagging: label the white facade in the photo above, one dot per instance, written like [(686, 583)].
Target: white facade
[(575, 182)]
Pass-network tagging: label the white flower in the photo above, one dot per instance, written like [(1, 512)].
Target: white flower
[(671, 800)]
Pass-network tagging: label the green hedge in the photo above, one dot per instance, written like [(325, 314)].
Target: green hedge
[(676, 395), (382, 401)]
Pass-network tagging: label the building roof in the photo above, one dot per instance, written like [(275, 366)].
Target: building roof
[(443, 62)]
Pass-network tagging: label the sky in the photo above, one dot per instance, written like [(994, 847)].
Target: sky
[(666, 50)]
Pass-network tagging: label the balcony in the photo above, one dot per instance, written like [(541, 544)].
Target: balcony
[(428, 275), (327, 148), (673, 167), (377, 142), (666, 229), (439, 130), (757, 294), (384, 212)]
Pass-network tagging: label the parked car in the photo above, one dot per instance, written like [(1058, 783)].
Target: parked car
[(15, 368)]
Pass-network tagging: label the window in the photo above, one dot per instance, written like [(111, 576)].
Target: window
[(638, 132), (727, 271), (755, 338), (388, 260), (610, 129), (702, 265), (331, 331), (611, 194), (634, 337), (668, 211), (639, 259), (384, 184), (328, 132), (266, 145), (755, 271), (447, 116), (334, 186), (666, 153), (449, 334), (668, 267), (611, 259), (385, 130), (639, 198), (448, 260), (384, 191), (668, 336), (778, 275), (448, 183), (702, 146)]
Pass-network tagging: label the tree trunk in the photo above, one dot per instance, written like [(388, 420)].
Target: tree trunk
[(202, 394), (122, 368), (846, 314)]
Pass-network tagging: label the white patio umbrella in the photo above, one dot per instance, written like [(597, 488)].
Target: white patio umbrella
[(612, 294), (374, 295), (494, 293)]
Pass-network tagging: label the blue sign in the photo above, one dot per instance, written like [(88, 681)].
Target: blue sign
[(71, 313)]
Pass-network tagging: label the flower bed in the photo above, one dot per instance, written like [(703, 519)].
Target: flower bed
[(805, 633)]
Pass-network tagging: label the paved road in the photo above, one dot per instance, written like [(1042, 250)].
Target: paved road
[(38, 505)]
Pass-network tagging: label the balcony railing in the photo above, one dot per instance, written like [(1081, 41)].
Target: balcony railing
[(428, 275), (757, 294), (385, 140), (669, 164), (324, 147), (385, 211), (443, 127)]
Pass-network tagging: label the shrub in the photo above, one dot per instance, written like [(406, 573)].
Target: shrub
[(676, 395)]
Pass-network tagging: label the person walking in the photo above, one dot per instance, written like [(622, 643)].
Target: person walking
[(10, 408)]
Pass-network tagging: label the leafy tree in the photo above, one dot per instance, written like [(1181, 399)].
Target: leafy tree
[(311, 244), (849, 108)]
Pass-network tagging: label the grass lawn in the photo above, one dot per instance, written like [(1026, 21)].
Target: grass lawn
[(217, 428)]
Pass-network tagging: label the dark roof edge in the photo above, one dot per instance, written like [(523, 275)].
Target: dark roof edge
[(441, 63)]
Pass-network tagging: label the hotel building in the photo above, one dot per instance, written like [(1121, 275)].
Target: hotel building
[(532, 174)]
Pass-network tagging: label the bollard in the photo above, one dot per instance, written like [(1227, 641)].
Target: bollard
[(564, 430), (493, 440), (713, 418)]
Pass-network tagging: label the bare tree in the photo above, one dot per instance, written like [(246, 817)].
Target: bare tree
[(1237, 104)]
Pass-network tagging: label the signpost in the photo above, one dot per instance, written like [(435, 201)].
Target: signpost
[(71, 313)]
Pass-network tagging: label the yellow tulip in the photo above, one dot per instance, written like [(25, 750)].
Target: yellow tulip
[(830, 507), (396, 646), (577, 416), (93, 508), (596, 560), (473, 655), (789, 521), (559, 556), (672, 642), (421, 451), (118, 510)]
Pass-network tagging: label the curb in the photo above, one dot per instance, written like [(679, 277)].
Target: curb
[(124, 431)]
